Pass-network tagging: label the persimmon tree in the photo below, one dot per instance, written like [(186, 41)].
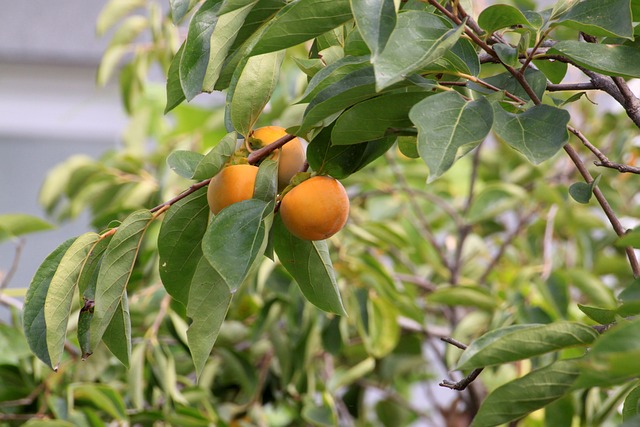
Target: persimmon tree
[(490, 207)]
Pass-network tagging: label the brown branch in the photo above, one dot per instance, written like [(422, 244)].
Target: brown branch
[(14, 265), (602, 159), (466, 381), (571, 87)]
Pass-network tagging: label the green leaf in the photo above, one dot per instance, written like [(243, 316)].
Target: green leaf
[(499, 16), (14, 225), (233, 5), (209, 300), (553, 70), (527, 394), (468, 296), (216, 158), (117, 335), (35, 328), (600, 315), (180, 8), (506, 81), (461, 126), (614, 357), (507, 54), (333, 73), (522, 342), (376, 20), (300, 21), (581, 192), (415, 43), (110, 60), (252, 90), (340, 161), (595, 17), (103, 397), (222, 38), (495, 199), (235, 238), (321, 414), (631, 404), (611, 60), (370, 119), (175, 94), (115, 270), (57, 305), (266, 187), (351, 89), (184, 162), (538, 133), (179, 243), (113, 12), (310, 265), (195, 57), (630, 238), (383, 329)]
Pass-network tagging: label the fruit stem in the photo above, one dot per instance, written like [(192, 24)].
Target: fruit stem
[(263, 152)]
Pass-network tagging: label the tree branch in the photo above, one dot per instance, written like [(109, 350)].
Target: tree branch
[(466, 381)]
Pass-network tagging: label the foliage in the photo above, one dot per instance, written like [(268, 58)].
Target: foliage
[(230, 320)]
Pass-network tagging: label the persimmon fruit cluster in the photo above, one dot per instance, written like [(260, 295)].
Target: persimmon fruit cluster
[(290, 157)]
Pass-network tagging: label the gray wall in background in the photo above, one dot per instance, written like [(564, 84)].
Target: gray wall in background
[(50, 109)]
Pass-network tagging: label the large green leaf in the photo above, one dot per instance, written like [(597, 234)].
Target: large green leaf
[(235, 238), (376, 20), (310, 265), (524, 341), (521, 396), (370, 119), (115, 271), (498, 16), (611, 60), (416, 42), (252, 89), (35, 328), (302, 20), (195, 57), (610, 18), (216, 158), (333, 73), (57, 305), (222, 38), (14, 225), (613, 358), (538, 133), (536, 80), (349, 90), (179, 243), (340, 161), (449, 127), (209, 300)]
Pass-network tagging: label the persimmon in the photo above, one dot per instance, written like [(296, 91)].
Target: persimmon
[(315, 209), (290, 157), (232, 184)]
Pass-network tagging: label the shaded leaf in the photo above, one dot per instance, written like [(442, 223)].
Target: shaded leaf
[(57, 305), (513, 343), (383, 328), (527, 394), (415, 42), (103, 397), (35, 328), (117, 335), (179, 243), (611, 60), (370, 119), (310, 265), (266, 186), (175, 94), (631, 406), (209, 300), (115, 270), (235, 238), (498, 16), (333, 73), (536, 79), (448, 128), (376, 20), (538, 133), (195, 56), (300, 21)]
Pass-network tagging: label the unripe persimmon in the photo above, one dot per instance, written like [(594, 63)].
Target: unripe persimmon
[(232, 184), (290, 157), (315, 209)]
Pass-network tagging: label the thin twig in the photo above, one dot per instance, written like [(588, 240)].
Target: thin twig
[(466, 381), (14, 265), (602, 159)]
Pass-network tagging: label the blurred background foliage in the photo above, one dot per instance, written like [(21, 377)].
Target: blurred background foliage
[(524, 252)]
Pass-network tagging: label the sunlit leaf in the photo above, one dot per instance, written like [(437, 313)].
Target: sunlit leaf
[(594, 17), (610, 60)]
